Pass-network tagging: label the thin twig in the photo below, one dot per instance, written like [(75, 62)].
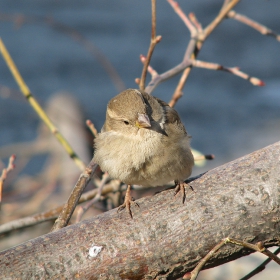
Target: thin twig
[(194, 273), (233, 70), (178, 93), (53, 213), (191, 50), (150, 69), (195, 22), (82, 209), (183, 16), (195, 29), (35, 105), (173, 71), (225, 3), (258, 248), (154, 40), (260, 267), (91, 127), (257, 26), (196, 32), (223, 13), (70, 205), (5, 173)]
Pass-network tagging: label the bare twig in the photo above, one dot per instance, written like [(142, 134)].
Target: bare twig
[(223, 13), (91, 127), (178, 93), (225, 3), (82, 209), (260, 267), (36, 106), (195, 22), (137, 81), (31, 220), (173, 71), (5, 173), (196, 31), (198, 36), (233, 70), (257, 26), (192, 49), (111, 187), (154, 40), (258, 248), (193, 274), (53, 213), (183, 16), (70, 205), (150, 69)]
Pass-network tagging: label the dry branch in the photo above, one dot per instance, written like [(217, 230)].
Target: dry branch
[(260, 267), (257, 26), (54, 213), (198, 36), (154, 40), (233, 70), (69, 207), (165, 239), (258, 248), (5, 173)]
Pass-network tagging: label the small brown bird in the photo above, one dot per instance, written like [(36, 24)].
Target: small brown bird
[(143, 142)]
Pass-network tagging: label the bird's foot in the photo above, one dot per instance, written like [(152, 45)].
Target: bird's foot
[(128, 200), (180, 187)]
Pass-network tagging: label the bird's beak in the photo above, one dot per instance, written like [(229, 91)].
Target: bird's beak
[(143, 121)]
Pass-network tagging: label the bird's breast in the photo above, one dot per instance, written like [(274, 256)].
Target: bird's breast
[(145, 158)]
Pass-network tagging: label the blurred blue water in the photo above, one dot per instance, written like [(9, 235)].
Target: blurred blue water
[(225, 115)]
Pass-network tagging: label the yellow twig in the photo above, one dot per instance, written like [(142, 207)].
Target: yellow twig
[(36, 106)]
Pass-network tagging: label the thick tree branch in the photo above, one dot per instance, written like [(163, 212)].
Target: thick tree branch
[(165, 238)]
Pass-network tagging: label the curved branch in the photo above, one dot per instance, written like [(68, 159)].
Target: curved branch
[(165, 238)]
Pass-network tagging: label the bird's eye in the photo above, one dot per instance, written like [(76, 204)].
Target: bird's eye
[(126, 122)]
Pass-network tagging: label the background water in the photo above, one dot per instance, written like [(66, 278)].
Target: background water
[(226, 115)]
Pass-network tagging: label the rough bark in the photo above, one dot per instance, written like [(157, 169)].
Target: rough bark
[(165, 238)]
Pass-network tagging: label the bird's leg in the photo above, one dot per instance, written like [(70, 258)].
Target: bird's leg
[(180, 187), (128, 200)]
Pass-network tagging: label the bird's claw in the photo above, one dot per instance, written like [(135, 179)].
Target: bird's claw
[(180, 187), (128, 200)]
